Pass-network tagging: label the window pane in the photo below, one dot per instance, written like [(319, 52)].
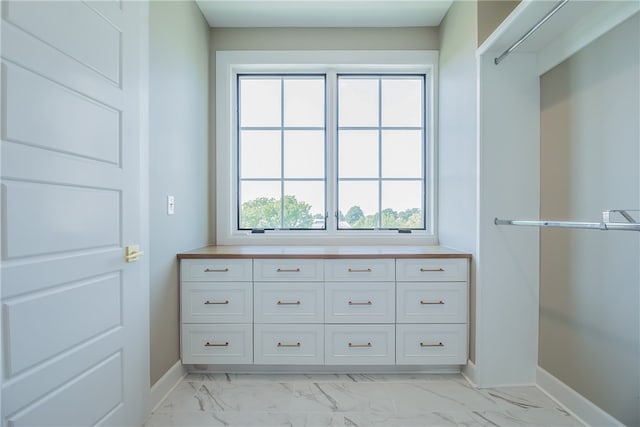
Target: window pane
[(260, 205), (402, 204), (402, 154), (358, 204), (402, 102), (304, 102), (259, 154), (259, 102), (357, 102), (358, 154), (304, 154), (304, 204)]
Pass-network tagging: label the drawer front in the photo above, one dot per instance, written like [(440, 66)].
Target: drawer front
[(287, 270), (431, 344), (216, 270), (359, 270), (289, 302), (360, 303), (433, 302), (359, 344), (216, 302), (224, 344), (432, 270), (278, 344)]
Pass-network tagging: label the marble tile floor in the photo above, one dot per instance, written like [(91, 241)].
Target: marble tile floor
[(403, 400)]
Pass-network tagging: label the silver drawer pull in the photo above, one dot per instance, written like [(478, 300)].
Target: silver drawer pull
[(360, 303), (207, 302), (221, 270), (432, 302), (364, 270), (288, 345), (426, 270), (422, 344), (288, 303), (284, 270), (360, 345), (210, 344)]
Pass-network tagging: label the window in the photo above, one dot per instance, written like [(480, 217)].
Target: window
[(381, 140), (338, 150), (281, 146)]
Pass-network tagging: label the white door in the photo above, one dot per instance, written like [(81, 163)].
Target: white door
[(75, 328)]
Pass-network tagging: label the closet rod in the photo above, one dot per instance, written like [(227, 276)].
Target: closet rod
[(528, 33), (604, 226)]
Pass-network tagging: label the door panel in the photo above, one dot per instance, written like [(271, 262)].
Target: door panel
[(67, 29), (75, 316), (67, 121), (73, 404), (46, 218), (49, 320)]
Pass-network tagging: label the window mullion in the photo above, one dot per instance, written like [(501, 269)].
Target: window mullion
[(379, 152), (331, 153), (281, 152)]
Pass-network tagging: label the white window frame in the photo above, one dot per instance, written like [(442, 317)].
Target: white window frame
[(231, 63)]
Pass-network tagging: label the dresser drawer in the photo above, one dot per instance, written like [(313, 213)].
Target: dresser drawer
[(431, 344), (359, 344), (433, 302), (292, 302), (215, 302), (287, 270), (347, 302), (223, 344), (432, 270), (277, 344), (216, 270), (359, 270)]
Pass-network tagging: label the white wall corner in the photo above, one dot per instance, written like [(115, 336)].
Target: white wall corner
[(469, 373), (573, 402), (165, 385), (507, 268)]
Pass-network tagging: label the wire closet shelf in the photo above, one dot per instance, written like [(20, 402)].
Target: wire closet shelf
[(627, 222)]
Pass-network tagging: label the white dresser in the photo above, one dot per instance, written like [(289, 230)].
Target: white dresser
[(324, 308)]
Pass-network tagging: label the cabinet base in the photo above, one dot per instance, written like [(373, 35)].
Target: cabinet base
[(323, 369)]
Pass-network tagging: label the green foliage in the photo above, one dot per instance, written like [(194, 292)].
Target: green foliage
[(265, 212), (410, 218), (297, 214), (353, 214)]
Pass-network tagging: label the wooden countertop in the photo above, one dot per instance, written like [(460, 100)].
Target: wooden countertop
[(323, 252)]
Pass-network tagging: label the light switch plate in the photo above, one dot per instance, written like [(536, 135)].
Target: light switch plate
[(171, 205)]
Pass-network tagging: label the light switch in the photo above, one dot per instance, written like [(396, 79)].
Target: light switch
[(171, 205)]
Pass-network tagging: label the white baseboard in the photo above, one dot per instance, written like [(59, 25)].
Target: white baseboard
[(575, 403), (469, 372), (166, 384)]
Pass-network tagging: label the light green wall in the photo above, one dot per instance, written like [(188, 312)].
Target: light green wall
[(178, 149), (491, 13), (590, 280), (412, 38)]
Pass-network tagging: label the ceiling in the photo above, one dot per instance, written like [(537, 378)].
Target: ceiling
[(324, 13)]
